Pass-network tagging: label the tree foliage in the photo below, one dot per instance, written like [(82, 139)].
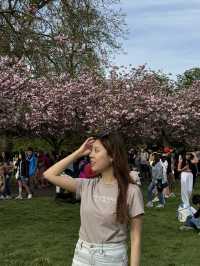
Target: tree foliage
[(56, 36), (135, 103), (188, 77)]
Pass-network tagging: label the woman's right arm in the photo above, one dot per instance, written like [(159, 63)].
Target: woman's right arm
[(53, 173)]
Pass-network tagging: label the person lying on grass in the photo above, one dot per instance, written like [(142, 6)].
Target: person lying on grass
[(193, 221), (109, 203)]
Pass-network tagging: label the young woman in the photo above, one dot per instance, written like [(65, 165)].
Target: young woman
[(185, 166), (22, 179), (108, 203), (158, 182)]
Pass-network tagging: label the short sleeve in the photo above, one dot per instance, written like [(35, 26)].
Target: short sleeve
[(135, 201), (80, 185)]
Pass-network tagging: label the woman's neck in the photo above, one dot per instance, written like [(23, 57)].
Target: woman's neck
[(108, 176)]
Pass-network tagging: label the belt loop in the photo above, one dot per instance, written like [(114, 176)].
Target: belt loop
[(81, 244), (102, 248)]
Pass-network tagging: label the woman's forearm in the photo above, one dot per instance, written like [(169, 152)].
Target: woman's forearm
[(136, 231), (53, 173), (135, 253), (183, 169)]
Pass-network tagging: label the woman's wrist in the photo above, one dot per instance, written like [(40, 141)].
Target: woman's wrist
[(77, 154)]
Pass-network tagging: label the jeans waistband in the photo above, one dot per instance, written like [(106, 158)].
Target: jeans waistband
[(115, 246)]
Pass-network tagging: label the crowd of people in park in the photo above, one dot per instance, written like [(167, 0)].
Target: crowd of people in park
[(159, 169), (23, 170), (164, 168)]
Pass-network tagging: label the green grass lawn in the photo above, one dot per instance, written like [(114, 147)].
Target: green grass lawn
[(43, 232)]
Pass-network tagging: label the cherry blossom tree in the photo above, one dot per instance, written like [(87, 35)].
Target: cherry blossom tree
[(14, 81), (184, 115), (51, 108), (133, 102)]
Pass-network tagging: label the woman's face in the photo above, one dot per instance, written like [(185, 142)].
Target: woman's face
[(99, 158), (20, 156)]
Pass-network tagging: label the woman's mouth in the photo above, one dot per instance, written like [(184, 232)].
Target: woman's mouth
[(92, 163)]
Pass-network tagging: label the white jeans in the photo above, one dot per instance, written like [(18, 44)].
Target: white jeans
[(186, 188), (87, 254)]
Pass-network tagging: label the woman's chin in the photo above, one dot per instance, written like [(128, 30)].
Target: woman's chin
[(95, 170)]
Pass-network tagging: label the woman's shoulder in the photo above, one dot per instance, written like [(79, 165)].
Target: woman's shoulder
[(135, 200), (88, 181)]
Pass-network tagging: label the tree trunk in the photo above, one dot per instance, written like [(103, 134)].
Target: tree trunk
[(165, 139), (54, 143), (5, 143)]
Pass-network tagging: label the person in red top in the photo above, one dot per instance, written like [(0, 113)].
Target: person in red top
[(43, 163), (88, 171)]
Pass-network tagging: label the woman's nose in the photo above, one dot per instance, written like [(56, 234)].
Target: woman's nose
[(91, 155)]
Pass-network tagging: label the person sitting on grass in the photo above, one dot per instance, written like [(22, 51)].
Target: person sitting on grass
[(193, 221), (109, 203)]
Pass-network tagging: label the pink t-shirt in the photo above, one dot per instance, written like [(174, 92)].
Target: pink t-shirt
[(98, 210)]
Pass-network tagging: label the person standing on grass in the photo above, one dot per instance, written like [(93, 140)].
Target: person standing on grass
[(108, 203), (8, 168), (185, 166), (32, 168), (194, 169), (2, 180), (144, 164), (170, 175), (22, 179), (43, 164), (164, 164), (157, 182)]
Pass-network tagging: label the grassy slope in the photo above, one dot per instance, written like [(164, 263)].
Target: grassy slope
[(43, 232)]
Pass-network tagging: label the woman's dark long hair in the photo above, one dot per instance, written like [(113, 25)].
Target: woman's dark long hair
[(115, 148), (23, 155), (186, 161)]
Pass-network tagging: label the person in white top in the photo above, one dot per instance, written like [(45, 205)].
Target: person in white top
[(164, 164), (185, 166)]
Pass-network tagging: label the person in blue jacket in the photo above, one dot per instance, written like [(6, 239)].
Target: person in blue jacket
[(31, 158)]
